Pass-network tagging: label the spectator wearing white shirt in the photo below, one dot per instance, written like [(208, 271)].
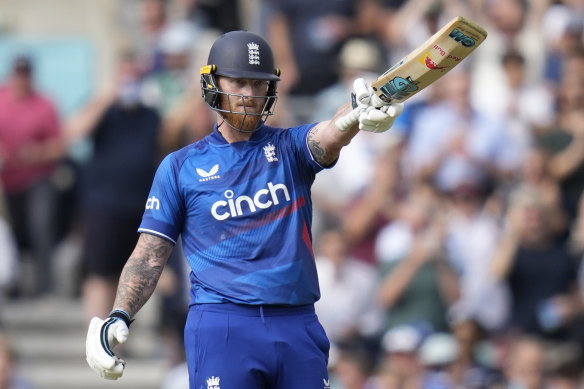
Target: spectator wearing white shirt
[(346, 308), (452, 143)]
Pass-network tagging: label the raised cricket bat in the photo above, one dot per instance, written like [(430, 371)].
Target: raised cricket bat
[(430, 61)]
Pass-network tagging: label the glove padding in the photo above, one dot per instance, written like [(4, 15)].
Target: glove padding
[(379, 120), (102, 336), (372, 113)]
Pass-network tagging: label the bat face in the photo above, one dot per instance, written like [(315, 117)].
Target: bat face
[(430, 61)]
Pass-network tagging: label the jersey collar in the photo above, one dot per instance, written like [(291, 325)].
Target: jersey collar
[(216, 138)]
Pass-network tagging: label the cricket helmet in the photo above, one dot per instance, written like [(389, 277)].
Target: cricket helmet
[(243, 55)]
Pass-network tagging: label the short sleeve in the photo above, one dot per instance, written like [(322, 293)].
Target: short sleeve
[(300, 140), (164, 213)]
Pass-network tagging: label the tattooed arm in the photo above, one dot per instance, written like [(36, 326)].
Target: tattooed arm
[(141, 273), (325, 140)]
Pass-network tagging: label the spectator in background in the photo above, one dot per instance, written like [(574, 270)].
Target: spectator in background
[(417, 285), (219, 15), (165, 86), (539, 270), (115, 181), (374, 207), (358, 57), (524, 366), (392, 21), (563, 29), (346, 309), (399, 365), (513, 25), (565, 367), (528, 107), (535, 174), (171, 91), (31, 144), (152, 21), (472, 368), (565, 140), (352, 368), (471, 237), (306, 41), (448, 362), (438, 355), (9, 376), (451, 143)]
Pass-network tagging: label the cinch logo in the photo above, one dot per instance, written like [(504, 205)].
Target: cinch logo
[(263, 199), (460, 37), (152, 203)]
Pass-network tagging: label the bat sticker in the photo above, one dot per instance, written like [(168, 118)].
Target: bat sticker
[(398, 88), (441, 52), (430, 64), (460, 37)]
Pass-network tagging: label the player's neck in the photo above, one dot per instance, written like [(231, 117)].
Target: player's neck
[(231, 135)]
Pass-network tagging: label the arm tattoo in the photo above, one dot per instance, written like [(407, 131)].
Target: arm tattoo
[(141, 272), (320, 154)]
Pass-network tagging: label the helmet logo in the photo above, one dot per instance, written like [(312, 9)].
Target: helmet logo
[(253, 50)]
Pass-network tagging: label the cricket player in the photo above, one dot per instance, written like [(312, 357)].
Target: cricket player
[(240, 200)]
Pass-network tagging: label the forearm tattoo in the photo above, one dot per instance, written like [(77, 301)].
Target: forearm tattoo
[(318, 152), (141, 273)]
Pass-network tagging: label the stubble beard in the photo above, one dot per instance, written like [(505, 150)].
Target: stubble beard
[(240, 121)]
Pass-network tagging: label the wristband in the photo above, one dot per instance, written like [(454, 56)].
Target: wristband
[(121, 314)]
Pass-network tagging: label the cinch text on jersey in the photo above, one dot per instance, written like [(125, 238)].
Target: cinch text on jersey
[(262, 199)]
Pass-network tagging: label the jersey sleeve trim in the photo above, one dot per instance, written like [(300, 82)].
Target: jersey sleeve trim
[(160, 228), (152, 232), (321, 167)]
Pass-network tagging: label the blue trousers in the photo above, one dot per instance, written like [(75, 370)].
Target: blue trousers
[(231, 346)]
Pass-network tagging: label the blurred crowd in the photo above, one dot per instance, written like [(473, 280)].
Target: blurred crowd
[(448, 248)]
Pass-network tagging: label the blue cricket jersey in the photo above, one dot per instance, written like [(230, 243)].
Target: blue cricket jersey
[(244, 213)]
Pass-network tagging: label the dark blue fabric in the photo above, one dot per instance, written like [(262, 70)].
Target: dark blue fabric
[(253, 347), (118, 177)]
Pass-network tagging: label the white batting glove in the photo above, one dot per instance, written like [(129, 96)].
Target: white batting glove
[(379, 120), (372, 113), (102, 336)]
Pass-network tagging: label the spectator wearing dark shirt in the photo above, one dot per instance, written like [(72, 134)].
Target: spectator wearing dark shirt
[(307, 37), (539, 270), (115, 181)]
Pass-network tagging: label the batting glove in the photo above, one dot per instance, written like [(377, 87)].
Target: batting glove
[(372, 113), (102, 336), (379, 120)]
